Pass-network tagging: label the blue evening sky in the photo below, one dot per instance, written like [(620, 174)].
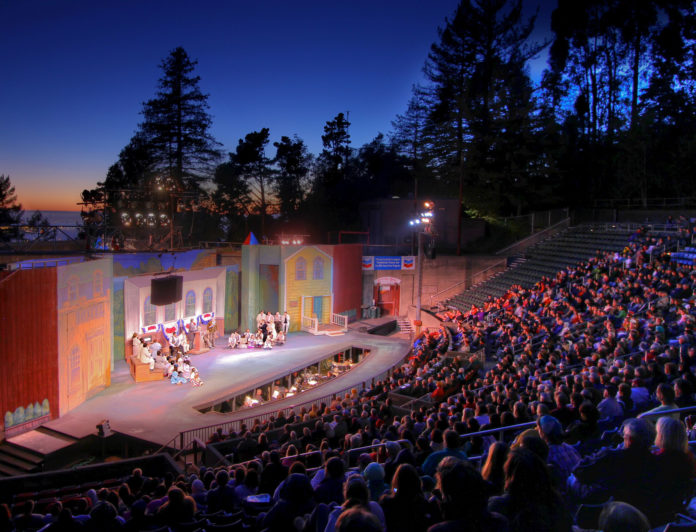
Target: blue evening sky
[(75, 74)]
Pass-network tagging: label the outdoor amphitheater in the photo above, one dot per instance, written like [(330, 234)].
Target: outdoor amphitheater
[(549, 387)]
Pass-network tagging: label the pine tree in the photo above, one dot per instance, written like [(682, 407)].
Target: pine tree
[(177, 125), (481, 94), (290, 184), (10, 211)]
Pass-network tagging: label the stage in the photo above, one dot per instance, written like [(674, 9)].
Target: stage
[(158, 411)]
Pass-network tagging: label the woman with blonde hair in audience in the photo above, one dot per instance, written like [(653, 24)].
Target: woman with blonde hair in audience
[(492, 470), (676, 468)]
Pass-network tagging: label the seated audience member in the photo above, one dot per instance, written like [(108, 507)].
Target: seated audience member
[(463, 500), (676, 470), (355, 495), (27, 519), (405, 507), (664, 394), (179, 508), (250, 486), (621, 517), (610, 407), (627, 474), (374, 476), (530, 501), (452, 448), (296, 499), (330, 489), (358, 520), (562, 456), (222, 497), (493, 468)]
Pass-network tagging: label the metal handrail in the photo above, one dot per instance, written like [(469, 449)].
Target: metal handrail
[(312, 453), (473, 280), (537, 236)]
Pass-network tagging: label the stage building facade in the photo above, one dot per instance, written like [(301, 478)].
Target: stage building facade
[(65, 323)]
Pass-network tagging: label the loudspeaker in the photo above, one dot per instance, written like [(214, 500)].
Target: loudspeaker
[(166, 290)]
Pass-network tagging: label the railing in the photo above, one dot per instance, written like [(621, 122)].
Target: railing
[(535, 238), (203, 433), (630, 227), (310, 324), (477, 278), (340, 320), (638, 203), (44, 263), (355, 450)]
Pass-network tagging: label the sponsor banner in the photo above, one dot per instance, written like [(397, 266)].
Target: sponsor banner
[(408, 263), (389, 263)]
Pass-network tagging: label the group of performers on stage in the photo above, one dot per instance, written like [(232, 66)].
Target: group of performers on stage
[(272, 329), (176, 367)]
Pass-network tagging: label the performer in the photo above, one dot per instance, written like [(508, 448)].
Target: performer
[(278, 321), (196, 378), (146, 358), (286, 322), (192, 330), (264, 331), (183, 343), (174, 344), (247, 336), (176, 379), (280, 339), (234, 340), (212, 331), (260, 318)]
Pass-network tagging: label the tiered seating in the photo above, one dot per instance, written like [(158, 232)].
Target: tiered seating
[(686, 257), (543, 260)]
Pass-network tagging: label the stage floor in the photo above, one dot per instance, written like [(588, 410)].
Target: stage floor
[(158, 411)]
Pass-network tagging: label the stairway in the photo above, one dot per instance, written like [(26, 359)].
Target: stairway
[(16, 460), (404, 324), (27, 452)]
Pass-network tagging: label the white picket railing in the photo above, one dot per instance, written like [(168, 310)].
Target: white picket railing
[(340, 320), (310, 324)]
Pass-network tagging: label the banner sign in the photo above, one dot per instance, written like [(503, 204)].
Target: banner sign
[(388, 263)]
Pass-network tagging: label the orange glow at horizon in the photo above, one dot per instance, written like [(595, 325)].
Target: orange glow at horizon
[(48, 198)]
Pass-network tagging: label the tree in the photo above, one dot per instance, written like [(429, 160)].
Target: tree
[(250, 164), (10, 211), (177, 125), (334, 173), (481, 93), (293, 163)]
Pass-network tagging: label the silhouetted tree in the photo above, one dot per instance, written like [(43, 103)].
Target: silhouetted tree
[(177, 124), (293, 163), (10, 210)]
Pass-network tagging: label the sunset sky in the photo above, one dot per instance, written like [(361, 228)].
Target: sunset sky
[(75, 74)]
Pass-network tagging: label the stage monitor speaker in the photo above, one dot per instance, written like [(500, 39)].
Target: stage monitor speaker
[(166, 290)]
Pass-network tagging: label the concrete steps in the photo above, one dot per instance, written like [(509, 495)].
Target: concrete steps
[(404, 325)]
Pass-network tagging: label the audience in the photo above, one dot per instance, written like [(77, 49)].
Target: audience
[(606, 341)]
